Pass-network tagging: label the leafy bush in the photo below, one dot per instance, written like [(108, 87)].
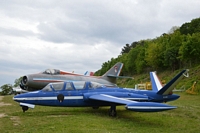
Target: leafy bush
[(6, 89)]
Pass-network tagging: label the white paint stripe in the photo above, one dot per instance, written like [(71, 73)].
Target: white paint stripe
[(34, 92), (49, 98), (118, 98), (136, 98), (139, 107), (157, 81), (43, 79)]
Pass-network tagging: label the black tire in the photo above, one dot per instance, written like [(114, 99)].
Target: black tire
[(24, 108), (112, 113)]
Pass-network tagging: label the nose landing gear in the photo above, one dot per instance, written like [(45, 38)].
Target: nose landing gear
[(24, 108)]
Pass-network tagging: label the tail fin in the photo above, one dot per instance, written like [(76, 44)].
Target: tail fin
[(155, 82), (167, 89), (85, 73), (114, 71)]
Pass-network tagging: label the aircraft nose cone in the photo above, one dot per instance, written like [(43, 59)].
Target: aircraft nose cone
[(26, 96), (17, 97)]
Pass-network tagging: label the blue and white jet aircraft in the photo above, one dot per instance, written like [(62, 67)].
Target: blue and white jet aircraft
[(92, 94)]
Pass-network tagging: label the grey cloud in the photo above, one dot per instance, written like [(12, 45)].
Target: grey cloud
[(16, 32), (80, 35)]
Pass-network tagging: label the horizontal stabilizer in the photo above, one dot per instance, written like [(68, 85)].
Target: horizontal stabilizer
[(148, 107), (114, 76), (28, 105)]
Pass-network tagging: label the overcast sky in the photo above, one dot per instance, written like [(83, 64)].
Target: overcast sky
[(79, 35)]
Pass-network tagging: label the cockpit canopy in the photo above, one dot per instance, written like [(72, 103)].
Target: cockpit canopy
[(52, 71), (66, 86)]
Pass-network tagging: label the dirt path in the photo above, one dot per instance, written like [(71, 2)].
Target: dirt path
[(1, 97), (2, 103), (15, 119)]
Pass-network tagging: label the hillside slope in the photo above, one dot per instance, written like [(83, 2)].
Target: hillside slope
[(185, 83)]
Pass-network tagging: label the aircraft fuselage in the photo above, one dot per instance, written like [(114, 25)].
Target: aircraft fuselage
[(80, 98), (39, 81)]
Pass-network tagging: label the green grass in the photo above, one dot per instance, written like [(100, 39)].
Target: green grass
[(184, 119)]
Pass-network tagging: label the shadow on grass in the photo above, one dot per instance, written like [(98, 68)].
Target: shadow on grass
[(123, 115)]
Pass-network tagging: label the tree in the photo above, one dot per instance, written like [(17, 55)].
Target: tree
[(171, 53), (190, 28), (185, 28), (134, 44), (140, 62), (126, 49), (6, 89), (152, 55), (17, 81), (131, 61), (173, 29), (124, 58), (190, 50)]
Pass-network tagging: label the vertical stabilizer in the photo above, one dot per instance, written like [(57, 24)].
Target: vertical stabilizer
[(155, 82), (113, 73)]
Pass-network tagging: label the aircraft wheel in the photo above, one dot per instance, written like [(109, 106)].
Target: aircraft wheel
[(24, 108), (112, 113)]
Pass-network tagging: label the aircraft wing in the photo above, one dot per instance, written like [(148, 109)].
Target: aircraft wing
[(132, 105), (112, 99)]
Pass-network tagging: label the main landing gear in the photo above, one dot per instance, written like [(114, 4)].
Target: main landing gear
[(112, 111), (24, 108)]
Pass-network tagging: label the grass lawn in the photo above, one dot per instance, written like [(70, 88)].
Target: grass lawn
[(184, 119)]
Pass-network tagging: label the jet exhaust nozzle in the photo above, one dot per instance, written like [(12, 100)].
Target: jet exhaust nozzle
[(23, 83)]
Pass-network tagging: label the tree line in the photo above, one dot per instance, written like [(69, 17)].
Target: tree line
[(7, 89), (180, 48)]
